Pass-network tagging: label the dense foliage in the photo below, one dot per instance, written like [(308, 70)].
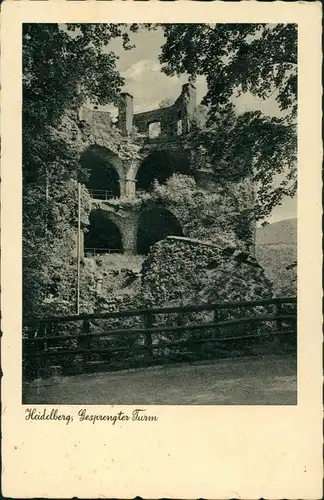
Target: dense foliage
[(219, 216), (237, 58), (67, 65), (260, 58), (189, 271), (63, 66)]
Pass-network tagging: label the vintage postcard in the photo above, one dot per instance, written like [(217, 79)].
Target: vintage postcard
[(161, 250)]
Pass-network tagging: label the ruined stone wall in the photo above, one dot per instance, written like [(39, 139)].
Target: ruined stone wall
[(124, 150), (125, 114), (187, 101), (166, 116), (182, 270), (125, 219), (96, 118), (93, 129), (183, 109)]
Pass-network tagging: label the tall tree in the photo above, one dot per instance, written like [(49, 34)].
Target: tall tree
[(63, 66), (235, 58), (260, 58)]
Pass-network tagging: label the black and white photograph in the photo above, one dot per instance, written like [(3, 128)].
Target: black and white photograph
[(161, 293), (159, 214)]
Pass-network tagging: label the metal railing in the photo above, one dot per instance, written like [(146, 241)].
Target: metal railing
[(102, 194), (92, 252), (39, 342)]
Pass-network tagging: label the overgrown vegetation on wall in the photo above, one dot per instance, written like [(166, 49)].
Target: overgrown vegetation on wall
[(263, 61), (63, 67), (186, 271), (218, 216)]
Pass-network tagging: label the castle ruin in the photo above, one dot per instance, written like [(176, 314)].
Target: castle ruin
[(161, 134), (160, 150)]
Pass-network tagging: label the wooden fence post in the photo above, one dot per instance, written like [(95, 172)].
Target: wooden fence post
[(148, 323), (294, 328), (278, 310), (85, 342), (278, 322), (40, 360), (215, 320), (37, 362)]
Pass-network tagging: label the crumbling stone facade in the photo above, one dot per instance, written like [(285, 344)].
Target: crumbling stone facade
[(182, 270), (126, 157), (174, 120)]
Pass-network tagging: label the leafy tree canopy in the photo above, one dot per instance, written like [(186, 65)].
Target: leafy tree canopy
[(63, 66), (236, 58), (259, 58), (253, 146), (202, 215)]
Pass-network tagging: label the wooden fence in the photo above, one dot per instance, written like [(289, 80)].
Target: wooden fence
[(40, 344)]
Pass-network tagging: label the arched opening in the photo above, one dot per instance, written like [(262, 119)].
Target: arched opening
[(179, 124), (103, 173), (160, 165), (154, 130), (103, 235), (103, 182), (155, 225)]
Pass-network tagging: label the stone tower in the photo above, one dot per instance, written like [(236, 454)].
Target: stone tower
[(125, 114), (150, 146)]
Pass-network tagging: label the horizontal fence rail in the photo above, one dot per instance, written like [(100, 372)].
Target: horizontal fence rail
[(46, 338), (161, 310)]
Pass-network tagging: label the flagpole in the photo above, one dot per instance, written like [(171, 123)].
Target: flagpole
[(78, 250)]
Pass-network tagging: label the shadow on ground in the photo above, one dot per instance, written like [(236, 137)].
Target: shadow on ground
[(269, 380)]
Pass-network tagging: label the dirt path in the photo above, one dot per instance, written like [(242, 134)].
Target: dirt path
[(270, 380)]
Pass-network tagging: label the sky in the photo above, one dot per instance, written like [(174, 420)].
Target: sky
[(149, 86)]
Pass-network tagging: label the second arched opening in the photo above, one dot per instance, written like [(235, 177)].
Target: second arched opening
[(104, 173), (160, 166), (103, 235), (154, 225)]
